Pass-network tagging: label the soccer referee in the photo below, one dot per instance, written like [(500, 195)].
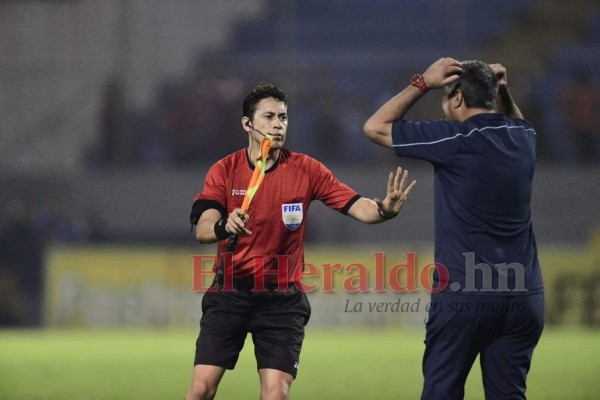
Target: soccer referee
[(489, 299), (267, 300)]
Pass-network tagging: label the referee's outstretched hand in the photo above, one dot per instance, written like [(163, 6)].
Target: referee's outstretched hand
[(397, 193)]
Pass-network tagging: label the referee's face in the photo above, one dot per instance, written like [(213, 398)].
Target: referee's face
[(270, 117)]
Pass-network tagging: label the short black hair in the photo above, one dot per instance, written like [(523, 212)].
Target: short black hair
[(263, 90), (478, 84)]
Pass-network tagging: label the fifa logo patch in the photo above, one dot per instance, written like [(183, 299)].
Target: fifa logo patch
[(292, 215)]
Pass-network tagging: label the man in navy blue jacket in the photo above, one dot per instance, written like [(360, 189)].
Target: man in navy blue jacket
[(488, 292)]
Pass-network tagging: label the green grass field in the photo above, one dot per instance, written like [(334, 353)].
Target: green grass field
[(112, 365)]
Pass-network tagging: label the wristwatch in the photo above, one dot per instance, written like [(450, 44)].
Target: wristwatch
[(382, 215), (418, 82)]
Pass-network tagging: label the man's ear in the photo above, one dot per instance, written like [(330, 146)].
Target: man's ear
[(246, 124), (457, 99)]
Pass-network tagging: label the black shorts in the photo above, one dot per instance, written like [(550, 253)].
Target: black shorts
[(275, 319)]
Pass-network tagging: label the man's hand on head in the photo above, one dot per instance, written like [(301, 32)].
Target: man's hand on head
[(500, 72), (442, 72)]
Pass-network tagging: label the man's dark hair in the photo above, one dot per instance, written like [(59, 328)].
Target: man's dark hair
[(262, 91), (478, 84)]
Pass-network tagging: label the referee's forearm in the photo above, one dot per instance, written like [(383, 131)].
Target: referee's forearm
[(366, 211), (206, 235), (205, 230)]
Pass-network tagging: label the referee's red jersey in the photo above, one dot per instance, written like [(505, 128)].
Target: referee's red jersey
[(278, 212)]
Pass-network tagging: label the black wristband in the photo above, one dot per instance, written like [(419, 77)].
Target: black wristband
[(382, 215), (220, 231)]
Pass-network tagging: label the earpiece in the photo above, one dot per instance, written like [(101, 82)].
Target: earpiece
[(248, 124)]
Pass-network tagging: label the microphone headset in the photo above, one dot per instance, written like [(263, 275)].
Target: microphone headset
[(249, 125)]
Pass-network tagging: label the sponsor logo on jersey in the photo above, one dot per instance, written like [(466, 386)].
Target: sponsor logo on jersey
[(292, 215), (238, 192)]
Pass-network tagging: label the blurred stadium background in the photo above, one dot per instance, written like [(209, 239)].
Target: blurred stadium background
[(112, 112)]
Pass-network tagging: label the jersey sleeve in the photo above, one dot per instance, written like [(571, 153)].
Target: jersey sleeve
[(214, 193), (434, 141), (333, 193)]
